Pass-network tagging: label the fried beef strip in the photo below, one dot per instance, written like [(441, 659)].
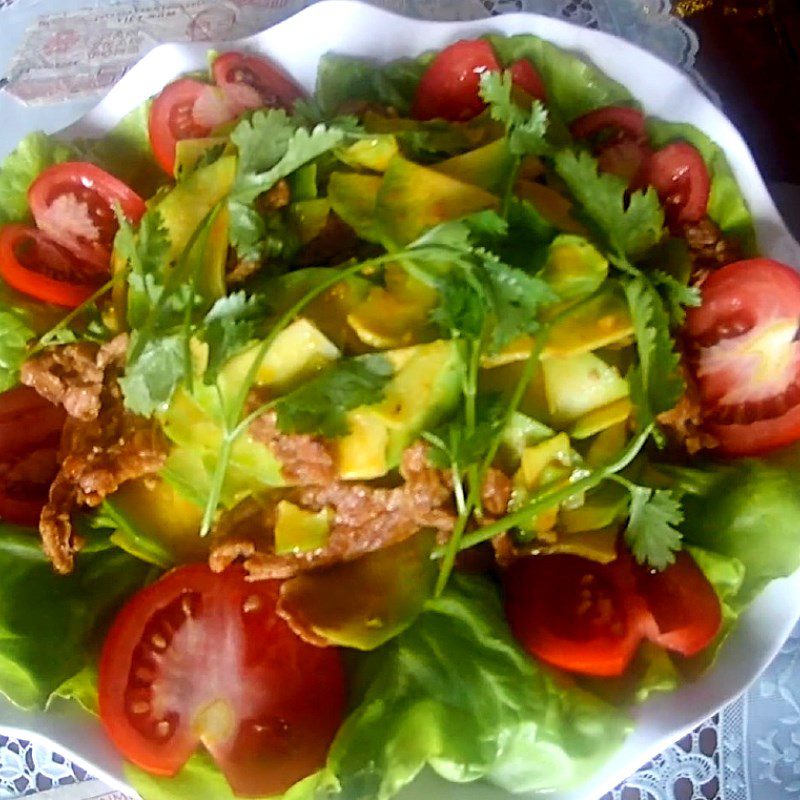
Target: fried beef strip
[(102, 445), (708, 249), (365, 518)]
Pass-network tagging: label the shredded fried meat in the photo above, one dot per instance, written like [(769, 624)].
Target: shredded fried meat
[(102, 445), (365, 518), (708, 248)]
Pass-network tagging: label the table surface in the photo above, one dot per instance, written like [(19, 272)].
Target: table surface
[(748, 751)]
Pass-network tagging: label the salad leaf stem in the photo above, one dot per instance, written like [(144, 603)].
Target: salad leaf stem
[(548, 499)]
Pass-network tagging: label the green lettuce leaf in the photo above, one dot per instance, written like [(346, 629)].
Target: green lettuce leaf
[(455, 692), (342, 79), (201, 778), (747, 511), (33, 154), (726, 205), (574, 86), (49, 623)]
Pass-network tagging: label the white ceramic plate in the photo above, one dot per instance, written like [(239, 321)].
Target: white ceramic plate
[(350, 27)]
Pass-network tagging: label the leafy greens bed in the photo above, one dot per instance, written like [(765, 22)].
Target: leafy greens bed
[(428, 359)]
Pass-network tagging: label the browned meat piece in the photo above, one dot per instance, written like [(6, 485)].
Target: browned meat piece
[(102, 444), (684, 422), (306, 459), (336, 242), (365, 518), (279, 196), (496, 493), (67, 376), (708, 248)]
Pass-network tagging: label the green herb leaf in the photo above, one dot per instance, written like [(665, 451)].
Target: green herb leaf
[(652, 532), (678, 296), (14, 338), (656, 384), (631, 225), (525, 129), (228, 327), (150, 381), (321, 405)]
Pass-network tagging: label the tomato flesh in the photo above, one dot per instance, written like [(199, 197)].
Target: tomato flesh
[(202, 658), (680, 176), (745, 356), (33, 264), (30, 429), (573, 613), (524, 75), (620, 120), (73, 203), (254, 82), (172, 119)]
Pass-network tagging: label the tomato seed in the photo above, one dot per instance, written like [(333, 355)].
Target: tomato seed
[(140, 707)]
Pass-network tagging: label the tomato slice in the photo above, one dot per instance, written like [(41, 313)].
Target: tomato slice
[(172, 118), (32, 263), (745, 356), (619, 120), (73, 203), (30, 429), (254, 82), (684, 606), (524, 75), (574, 613), (680, 176), (202, 658)]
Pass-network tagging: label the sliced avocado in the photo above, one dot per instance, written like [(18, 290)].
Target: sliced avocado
[(489, 166), (353, 197), (521, 432), (607, 445), (554, 207), (373, 153), (328, 311), (601, 507), (547, 461), (363, 603), (185, 207), (503, 379), (189, 151), (575, 386), (574, 266), (596, 322), (602, 418), (309, 217), (299, 351), (298, 530), (597, 545), (155, 523), (439, 136), (425, 388), (413, 198)]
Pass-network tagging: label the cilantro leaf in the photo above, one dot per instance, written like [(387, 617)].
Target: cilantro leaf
[(525, 129), (227, 328), (272, 147), (631, 225), (677, 296), (656, 384), (320, 405), (652, 533), (14, 337), (150, 381)]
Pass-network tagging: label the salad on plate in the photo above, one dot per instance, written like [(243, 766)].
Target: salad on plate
[(435, 419)]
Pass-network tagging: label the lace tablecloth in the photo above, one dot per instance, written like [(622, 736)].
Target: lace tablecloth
[(751, 749)]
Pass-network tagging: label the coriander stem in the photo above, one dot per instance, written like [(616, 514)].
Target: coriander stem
[(74, 314), (217, 481), (548, 499)]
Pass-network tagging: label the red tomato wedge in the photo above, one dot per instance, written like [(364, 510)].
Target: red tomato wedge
[(202, 658), (73, 203), (524, 75), (33, 264), (449, 88), (574, 613), (618, 120), (745, 356), (172, 118), (685, 608), (680, 176), (254, 82), (30, 429)]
